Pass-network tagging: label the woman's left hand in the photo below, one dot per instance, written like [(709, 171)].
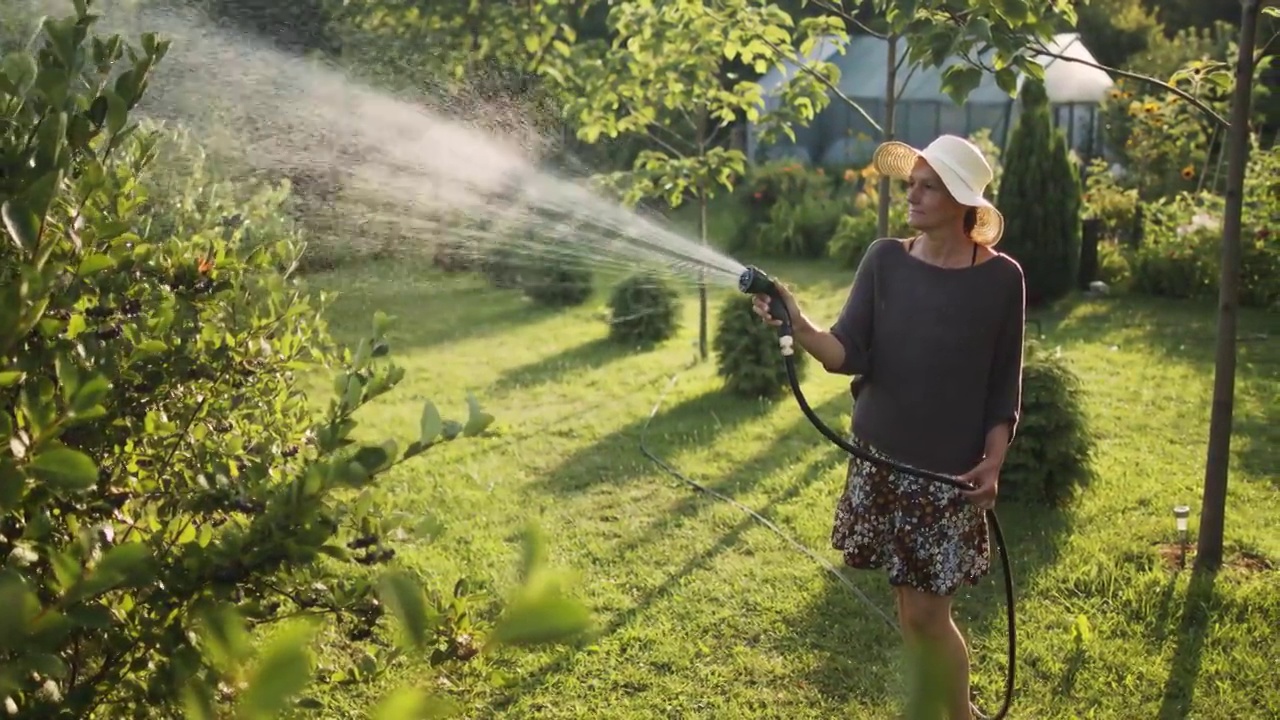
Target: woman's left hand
[(984, 480)]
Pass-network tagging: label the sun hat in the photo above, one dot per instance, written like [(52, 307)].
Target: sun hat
[(963, 170)]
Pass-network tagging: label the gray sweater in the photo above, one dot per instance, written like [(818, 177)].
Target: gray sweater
[(938, 352)]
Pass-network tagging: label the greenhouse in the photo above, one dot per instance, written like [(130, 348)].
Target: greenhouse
[(840, 136)]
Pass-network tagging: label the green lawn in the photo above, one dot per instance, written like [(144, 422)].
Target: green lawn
[(701, 611)]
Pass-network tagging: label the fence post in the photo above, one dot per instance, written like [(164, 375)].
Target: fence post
[(1090, 232)]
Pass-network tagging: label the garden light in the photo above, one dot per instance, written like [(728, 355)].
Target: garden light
[(1180, 515)]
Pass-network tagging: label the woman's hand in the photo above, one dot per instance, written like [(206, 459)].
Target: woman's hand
[(984, 482), (760, 303)]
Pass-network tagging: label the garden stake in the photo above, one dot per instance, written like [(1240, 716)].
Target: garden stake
[(754, 281)]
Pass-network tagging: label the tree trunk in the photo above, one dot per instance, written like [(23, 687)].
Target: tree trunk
[(702, 235), (702, 283), (1214, 502), (890, 105)]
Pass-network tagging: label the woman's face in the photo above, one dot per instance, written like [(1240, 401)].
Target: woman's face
[(930, 203)]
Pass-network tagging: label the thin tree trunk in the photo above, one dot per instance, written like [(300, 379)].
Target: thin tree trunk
[(890, 105), (702, 235), (1217, 460)]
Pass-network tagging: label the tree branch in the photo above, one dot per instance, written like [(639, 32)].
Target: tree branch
[(1195, 102), (830, 86), (838, 9)]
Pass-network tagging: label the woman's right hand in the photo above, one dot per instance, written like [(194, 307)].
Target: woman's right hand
[(760, 303)]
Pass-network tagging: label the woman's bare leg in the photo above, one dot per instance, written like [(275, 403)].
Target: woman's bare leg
[(929, 628)]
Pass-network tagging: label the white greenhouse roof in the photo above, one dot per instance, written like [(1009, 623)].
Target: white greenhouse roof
[(864, 62)]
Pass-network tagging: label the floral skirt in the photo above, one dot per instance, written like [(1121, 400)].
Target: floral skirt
[(926, 534)]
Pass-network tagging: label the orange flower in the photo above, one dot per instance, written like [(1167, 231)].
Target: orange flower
[(1188, 172), (850, 175)]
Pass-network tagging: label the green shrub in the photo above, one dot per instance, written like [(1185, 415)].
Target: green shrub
[(166, 486), (644, 310), (556, 281), (853, 236), (769, 184), (1043, 236), (505, 265), (799, 230), (1050, 457), (748, 357), (1114, 267)]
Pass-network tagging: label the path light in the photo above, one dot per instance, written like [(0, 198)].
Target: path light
[(1180, 515)]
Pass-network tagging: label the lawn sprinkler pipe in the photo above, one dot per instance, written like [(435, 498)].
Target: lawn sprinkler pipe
[(754, 281)]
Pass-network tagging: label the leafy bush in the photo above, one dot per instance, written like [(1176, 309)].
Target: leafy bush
[(788, 183), (1043, 236), (1050, 458), (557, 282), (505, 265), (1106, 200), (165, 484), (1114, 267), (853, 236), (644, 310), (748, 356), (799, 230)]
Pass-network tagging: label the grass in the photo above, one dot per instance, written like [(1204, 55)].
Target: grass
[(701, 611)]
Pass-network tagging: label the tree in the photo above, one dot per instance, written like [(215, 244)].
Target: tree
[(1043, 236), (665, 76), (1219, 75), (167, 483)]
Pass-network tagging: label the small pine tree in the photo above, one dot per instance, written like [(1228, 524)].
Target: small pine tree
[(1040, 197), (644, 310), (749, 358)]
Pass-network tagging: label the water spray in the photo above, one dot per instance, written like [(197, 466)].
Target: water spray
[(754, 281)]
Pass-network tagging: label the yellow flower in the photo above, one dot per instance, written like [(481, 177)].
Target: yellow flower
[(1188, 172)]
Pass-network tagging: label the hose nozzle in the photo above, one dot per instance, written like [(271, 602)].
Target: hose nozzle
[(754, 281)]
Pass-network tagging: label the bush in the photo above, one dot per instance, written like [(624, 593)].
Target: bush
[(853, 236), (1044, 237), (1114, 267), (644, 310), (748, 356), (557, 282), (800, 230), (788, 183), (165, 485), (1050, 458)]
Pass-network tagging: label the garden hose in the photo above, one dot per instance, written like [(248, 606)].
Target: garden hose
[(753, 281)]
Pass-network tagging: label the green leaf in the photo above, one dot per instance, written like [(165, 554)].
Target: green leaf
[(477, 420), (282, 673), (22, 225), (89, 394), (64, 469), (381, 323), (21, 69), (224, 638), (96, 262), (375, 457), (959, 80), (408, 703), (1272, 10), (431, 424), (20, 606), (10, 377), (403, 596), (541, 618), (117, 112), (121, 565)]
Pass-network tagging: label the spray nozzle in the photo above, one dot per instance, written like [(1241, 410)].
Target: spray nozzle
[(754, 281)]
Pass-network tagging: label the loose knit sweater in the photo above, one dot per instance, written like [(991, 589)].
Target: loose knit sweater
[(937, 352)]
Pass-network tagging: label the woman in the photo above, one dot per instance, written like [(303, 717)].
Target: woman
[(933, 328)]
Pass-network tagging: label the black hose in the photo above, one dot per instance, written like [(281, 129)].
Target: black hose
[(754, 281)]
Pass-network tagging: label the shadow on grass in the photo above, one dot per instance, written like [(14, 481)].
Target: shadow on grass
[(1193, 631), (589, 355), (1185, 331), (696, 420), (747, 475), (835, 623)]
